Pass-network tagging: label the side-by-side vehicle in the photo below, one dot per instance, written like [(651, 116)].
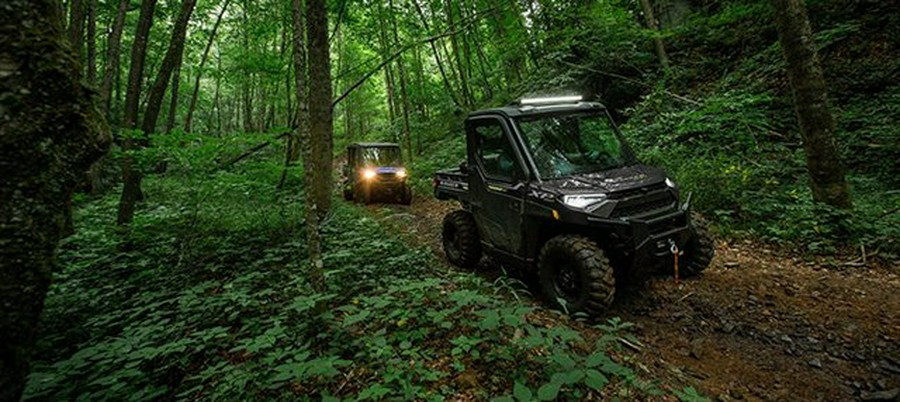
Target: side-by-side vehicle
[(550, 185)]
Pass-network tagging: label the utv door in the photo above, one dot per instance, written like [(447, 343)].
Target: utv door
[(496, 183)]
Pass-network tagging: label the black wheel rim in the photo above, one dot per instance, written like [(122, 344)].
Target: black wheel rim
[(566, 283), (451, 243)]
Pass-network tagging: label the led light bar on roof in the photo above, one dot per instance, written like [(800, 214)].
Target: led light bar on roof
[(550, 100)]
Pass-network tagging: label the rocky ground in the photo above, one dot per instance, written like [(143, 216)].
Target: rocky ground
[(757, 325)]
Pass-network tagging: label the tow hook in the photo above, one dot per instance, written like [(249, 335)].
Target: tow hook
[(673, 248)]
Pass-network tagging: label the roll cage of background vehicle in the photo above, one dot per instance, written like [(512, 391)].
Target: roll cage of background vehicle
[(550, 183)]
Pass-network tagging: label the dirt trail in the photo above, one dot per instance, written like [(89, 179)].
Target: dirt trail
[(754, 326)]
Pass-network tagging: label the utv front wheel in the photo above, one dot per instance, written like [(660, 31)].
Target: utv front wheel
[(460, 237), (406, 196), (348, 194), (575, 275), (700, 250)]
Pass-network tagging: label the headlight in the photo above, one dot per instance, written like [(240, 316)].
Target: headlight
[(401, 173), (670, 183), (582, 200), (369, 174)]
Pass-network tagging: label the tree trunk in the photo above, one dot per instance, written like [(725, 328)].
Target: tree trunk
[(41, 161), (173, 99), (657, 41), (131, 193), (811, 102), (188, 120), (113, 46), (310, 174), (92, 43), (320, 102), (76, 27), (454, 46), (437, 56), (404, 96)]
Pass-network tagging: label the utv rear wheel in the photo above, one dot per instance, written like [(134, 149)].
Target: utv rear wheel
[(575, 275), (460, 237), (700, 250)]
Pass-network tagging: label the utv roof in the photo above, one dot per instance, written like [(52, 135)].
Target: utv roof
[(516, 109), (373, 145)]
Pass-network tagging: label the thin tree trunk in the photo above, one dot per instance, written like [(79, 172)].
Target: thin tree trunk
[(113, 46), (92, 43), (311, 173), (76, 28), (173, 98), (130, 175), (217, 97), (188, 120), (437, 56), (657, 41), (454, 46), (811, 101), (321, 111), (42, 162), (404, 96)]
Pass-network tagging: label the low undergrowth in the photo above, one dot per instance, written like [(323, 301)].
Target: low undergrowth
[(206, 297)]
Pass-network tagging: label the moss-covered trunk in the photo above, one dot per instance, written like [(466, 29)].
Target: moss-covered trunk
[(811, 102), (49, 135)]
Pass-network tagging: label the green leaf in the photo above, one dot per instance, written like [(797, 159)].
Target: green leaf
[(549, 391), (596, 359), (595, 379), (563, 360), (522, 392)]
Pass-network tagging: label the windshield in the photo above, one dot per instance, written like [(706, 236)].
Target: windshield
[(563, 145), (381, 156)]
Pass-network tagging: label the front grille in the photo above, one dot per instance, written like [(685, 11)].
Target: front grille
[(675, 222), (642, 208), (387, 177)]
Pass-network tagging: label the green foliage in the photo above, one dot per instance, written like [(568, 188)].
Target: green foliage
[(205, 297)]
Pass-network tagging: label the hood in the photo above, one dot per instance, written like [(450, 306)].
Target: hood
[(607, 181)]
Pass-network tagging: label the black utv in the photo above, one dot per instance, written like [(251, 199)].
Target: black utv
[(551, 186), (375, 171)]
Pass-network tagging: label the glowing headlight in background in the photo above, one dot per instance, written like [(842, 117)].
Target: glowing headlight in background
[(368, 174), (401, 173)]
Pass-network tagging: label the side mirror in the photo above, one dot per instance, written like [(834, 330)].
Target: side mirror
[(464, 168)]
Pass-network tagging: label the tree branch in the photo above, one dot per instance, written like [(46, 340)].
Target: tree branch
[(633, 81), (406, 47)]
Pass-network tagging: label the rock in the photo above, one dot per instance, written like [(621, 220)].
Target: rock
[(815, 363), (888, 395), (732, 264), (736, 394)]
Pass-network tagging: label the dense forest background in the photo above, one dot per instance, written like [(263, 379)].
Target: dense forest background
[(186, 272)]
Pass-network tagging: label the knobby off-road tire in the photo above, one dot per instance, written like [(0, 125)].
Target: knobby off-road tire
[(462, 244), (348, 194), (406, 196), (363, 195), (575, 269), (700, 250)]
